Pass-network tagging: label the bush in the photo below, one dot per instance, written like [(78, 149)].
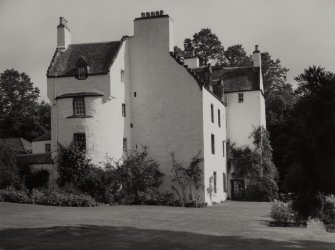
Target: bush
[(37, 197), (308, 205), (9, 172), (328, 213), (283, 214), (13, 195), (55, 198), (261, 189)]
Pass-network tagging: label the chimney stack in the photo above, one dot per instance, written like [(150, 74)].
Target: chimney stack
[(63, 34), (257, 57)]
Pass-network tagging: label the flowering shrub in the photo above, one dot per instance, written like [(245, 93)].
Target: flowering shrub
[(12, 195)]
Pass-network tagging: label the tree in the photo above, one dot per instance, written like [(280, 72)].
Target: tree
[(236, 56), (9, 172), (20, 113), (206, 44)]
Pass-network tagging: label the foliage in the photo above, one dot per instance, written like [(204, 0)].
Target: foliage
[(236, 56), (73, 165), (55, 198), (206, 44), (20, 113), (187, 181), (283, 214), (135, 179), (12, 195), (256, 166), (37, 179), (328, 213), (9, 172)]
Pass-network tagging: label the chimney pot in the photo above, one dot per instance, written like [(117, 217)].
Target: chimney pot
[(161, 12), (147, 14), (256, 49), (143, 14), (157, 13)]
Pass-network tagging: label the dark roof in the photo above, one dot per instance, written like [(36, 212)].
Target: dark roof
[(19, 145), (69, 95), (44, 137), (99, 57), (34, 158), (234, 79)]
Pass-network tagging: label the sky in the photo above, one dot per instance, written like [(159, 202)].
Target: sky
[(299, 33)]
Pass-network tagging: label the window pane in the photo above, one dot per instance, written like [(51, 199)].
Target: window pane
[(79, 106), (240, 97)]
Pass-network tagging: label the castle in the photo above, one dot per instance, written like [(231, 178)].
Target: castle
[(112, 97)]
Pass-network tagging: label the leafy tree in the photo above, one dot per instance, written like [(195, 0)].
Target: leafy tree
[(9, 172), (236, 56), (206, 44), (256, 166), (20, 113)]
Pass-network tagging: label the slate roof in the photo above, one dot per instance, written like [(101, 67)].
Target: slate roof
[(44, 137), (99, 56), (19, 145), (235, 79), (35, 158)]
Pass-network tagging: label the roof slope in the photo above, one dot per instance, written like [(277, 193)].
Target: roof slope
[(235, 79), (44, 137), (99, 56), (19, 145)]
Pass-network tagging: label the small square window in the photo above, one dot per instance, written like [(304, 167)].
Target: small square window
[(240, 97), (78, 106), (123, 110), (79, 140), (47, 148)]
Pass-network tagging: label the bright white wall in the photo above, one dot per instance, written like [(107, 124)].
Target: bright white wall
[(167, 112), (39, 146), (214, 162), (243, 118)]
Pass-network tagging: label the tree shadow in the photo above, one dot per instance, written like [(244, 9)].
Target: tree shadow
[(107, 237)]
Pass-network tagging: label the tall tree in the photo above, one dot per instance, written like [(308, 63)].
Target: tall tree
[(236, 56), (206, 44), (20, 113)]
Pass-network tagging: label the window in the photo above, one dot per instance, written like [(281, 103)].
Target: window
[(47, 148), (134, 94), (79, 140), (213, 143), (219, 118), (123, 110), (224, 182), (82, 73), (214, 182), (223, 148), (78, 106), (212, 113), (240, 97), (122, 75), (131, 125), (124, 144)]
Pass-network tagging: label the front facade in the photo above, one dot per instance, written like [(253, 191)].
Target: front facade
[(118, 96)]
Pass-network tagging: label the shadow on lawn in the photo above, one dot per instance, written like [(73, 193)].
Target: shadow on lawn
[(106, 237)]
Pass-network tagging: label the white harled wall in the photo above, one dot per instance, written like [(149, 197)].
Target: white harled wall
[(38, 147), (104, 128), (167, 110), (214, 162)]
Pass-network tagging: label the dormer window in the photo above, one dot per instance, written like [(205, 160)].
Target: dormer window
[(82, 67), (82, 73)]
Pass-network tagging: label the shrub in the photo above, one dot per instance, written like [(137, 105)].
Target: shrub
[(55, 198), (9, 172), (12, 195), (261, 189), (37, 197), (308, 205), (283, 214), (328, 213)]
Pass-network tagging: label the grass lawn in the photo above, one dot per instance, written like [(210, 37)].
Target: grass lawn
[(231, 225)]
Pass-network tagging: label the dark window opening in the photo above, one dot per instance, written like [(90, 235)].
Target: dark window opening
[(78, 106), (134, 94), (125, 145), (240, 97), (213, 143), (79, 140), (214, 182), (123, 110), (212, 113), (219, 118), (47, 148)]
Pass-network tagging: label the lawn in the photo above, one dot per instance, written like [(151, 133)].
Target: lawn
[(231, 225)]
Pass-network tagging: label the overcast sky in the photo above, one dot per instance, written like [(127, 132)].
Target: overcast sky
[(298, 32)]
